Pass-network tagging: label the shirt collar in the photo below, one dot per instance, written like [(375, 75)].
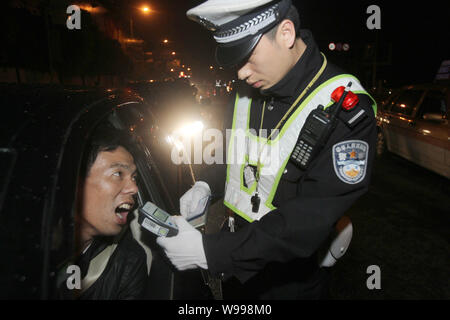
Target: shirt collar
[(292, 84)]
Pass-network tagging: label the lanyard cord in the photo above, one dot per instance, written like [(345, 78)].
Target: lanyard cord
[(311, 83), (318, 74)]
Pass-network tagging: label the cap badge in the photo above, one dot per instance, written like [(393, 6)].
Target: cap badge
[(207, 24)]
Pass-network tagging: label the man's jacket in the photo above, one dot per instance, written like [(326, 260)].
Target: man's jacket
[(124, 277)]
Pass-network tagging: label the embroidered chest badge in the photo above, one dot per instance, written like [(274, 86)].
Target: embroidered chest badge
[(350, 160)]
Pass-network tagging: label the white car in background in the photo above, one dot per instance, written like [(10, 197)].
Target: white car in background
[(414, 124)]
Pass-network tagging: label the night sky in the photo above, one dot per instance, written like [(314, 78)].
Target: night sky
[(419, 32)]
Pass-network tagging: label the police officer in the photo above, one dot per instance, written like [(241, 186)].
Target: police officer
[(282, 209)]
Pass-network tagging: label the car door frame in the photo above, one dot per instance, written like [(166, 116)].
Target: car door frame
[(432, 150), (397, 129)]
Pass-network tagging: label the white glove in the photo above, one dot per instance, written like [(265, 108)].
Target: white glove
[(185, 250), (194, 201)]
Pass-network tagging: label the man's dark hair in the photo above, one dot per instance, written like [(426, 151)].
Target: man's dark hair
[(104, 138), (292, 15)]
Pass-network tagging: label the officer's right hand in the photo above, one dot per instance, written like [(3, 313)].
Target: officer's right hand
[(185, 250)]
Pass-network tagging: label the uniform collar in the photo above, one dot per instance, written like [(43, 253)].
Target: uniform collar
[(288, 88)]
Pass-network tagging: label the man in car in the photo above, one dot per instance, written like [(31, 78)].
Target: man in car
[(112, 263)]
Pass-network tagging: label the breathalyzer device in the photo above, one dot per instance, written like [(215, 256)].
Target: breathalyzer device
[(156, 220)]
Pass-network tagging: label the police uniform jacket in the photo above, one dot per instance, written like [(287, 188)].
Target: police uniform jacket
[(308, 203)]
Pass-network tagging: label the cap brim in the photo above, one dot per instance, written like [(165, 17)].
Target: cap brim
[(229, 56)]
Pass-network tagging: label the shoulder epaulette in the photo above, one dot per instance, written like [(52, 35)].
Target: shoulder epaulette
[(354, 116)]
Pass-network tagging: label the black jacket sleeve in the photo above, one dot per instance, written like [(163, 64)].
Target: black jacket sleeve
[(301, 222), (134, 278)]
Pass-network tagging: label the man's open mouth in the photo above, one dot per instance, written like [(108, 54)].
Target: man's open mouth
[(122, 211)]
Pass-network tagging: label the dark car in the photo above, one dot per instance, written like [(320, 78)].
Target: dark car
[(44, 130), (414, 124)]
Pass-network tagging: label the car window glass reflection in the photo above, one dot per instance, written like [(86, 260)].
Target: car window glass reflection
[(433, 103), (406, 102)]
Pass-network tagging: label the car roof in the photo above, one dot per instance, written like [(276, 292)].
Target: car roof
[(427, 86), (46, 106)]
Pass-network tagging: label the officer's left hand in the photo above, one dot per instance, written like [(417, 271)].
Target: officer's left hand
[(185, 250), (194, 201)]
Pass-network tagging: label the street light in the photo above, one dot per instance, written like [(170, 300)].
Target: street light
[(144, 9)]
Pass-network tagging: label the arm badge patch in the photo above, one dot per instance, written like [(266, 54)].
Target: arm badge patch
[(350, 160)]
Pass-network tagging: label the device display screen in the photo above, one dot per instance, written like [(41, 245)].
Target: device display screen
[(161, 216)]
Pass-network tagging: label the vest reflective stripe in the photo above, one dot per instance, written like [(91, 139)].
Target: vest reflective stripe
[(243, 149)]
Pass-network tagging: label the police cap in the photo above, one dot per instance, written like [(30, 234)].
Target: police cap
[(237, 25)]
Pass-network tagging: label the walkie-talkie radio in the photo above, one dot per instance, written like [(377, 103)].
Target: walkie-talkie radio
[(315, 132)]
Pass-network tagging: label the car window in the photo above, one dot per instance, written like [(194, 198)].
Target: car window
[(434, 102), (406, 102), (386, 105)]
